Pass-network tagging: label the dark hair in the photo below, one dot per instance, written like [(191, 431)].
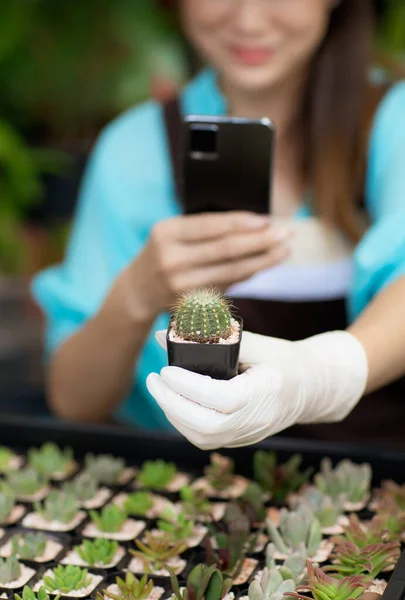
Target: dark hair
[(337, 115)]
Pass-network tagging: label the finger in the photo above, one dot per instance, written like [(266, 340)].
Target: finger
[(231, 272), (161, 338), (226, 397), (197, 439), (204, 420), (259, 349), (234, 246), (191, 228)]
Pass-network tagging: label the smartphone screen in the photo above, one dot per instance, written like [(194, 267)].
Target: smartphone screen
[(227, 164)]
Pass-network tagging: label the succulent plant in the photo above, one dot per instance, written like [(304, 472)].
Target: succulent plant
[(65, 579), (202, 316), (203, 583), (156, 474), (324, 587), (220, 472), (97, 551), (29, 546), (7, 502), (138, 503), (391, 492), (194, 502), (29, 594), (363, 534), (84, 486), (298, 531), (105, 468), (26, 482), (294, 566), (393, 518), (323, 507), (271, 586), (130, 589), (10, 569), (176, 524), (252, 504), (348, 479), (50, 459), (156, 551), (348, 559), (109, 519), (279, 479), (230, 556), (58, 506), (5, 457)]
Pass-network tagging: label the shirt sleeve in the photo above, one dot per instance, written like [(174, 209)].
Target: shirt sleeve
[(379, 259), (111, 224)]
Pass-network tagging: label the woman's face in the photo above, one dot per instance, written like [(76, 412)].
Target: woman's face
[(256, 44)]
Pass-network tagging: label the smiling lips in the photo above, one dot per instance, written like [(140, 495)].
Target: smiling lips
[(250, 56)]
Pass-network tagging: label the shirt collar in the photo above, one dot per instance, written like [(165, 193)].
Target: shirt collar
[(202, 95)]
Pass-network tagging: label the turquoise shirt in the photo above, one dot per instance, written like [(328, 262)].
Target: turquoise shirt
[(128, 188)]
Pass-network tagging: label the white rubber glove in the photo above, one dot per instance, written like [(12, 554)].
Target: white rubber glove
[(316, 380)]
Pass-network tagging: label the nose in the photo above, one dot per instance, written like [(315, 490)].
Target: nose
[(249, 17)]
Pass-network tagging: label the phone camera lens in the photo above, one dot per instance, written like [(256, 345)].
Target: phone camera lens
[(203, 140)]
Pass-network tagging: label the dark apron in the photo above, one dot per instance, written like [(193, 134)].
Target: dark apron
[(379, 417)]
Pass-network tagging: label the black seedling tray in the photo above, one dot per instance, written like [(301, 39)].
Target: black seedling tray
[(136, 446)]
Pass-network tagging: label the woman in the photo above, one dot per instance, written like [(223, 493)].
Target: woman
[(340, 156)]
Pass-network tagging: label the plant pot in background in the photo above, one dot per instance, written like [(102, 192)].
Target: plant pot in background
[(219, 361)]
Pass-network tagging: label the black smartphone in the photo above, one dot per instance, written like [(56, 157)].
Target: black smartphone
[(226, 164)]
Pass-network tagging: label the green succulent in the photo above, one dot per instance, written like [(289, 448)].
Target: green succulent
[(194, 502), (252, 504), (279, 479), (7, 502), (156, 474), (390, 492), (203, 583), (29, 546), (293, 567), (10, 570), (298, 531), (105, 468), (203, 316), (324, 587), (6, 455), (348, 559), (220, 472), (65, 579), (26, 482), (363, 534), (393, 519), (230, 556), (271, 586), (58, 506), (348, 479), (130, 588), (109, 519), (97, 551), (176, 524), (138, 503), (157, 551), (50, 459), (326, 510), (84, 486), (29, 594)]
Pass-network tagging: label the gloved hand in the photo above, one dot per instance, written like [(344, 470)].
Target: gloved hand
[(316, 380)]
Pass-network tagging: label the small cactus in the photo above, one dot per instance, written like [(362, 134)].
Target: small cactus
[(10, 570), (203, 316)]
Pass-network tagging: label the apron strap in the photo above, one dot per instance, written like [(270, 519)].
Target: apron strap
[(172, 119)]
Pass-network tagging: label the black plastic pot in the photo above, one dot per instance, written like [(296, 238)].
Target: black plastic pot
[(219, 361)]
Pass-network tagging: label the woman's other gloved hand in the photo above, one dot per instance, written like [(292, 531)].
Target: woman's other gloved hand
[(316, 380)]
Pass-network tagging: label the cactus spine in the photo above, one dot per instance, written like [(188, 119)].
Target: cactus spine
[(203, 316)]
